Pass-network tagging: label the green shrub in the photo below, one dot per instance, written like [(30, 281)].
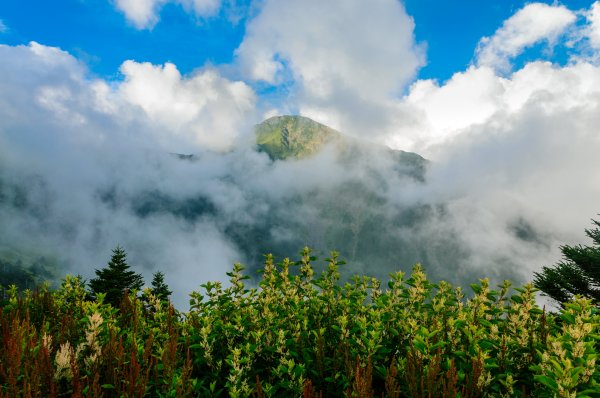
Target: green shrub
[(298, 334)]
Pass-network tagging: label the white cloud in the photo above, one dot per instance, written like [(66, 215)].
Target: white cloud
[(343, 58), (51, 85), (533, 23), (202, 7), (468, 98), (479, 97), (325, 44), (538, 162), (3, 27), (68, 140), (482, 95), (203, 111), (206, 108), (505, 149), (593, 32), (508, 147), (144, 13)]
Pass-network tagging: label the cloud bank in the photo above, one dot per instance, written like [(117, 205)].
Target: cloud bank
[(86, 163), (77, 153), (341, 60), (206, 108)]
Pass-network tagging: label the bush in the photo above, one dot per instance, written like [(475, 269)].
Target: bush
[(297, 335)]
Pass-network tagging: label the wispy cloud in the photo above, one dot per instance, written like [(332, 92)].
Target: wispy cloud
[(3, 27), (593, 17), (144, 14), (533, 23)]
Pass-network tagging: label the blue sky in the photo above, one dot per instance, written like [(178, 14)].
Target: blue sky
[(101, 36), (452, 29)]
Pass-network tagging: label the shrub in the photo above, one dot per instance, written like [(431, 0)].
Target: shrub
[(297, 334)]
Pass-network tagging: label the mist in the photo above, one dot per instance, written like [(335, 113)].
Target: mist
[(87, 164)]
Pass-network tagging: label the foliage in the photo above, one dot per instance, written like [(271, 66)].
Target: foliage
[(296, 334), (577, 274), (115, 279), (284, 137)]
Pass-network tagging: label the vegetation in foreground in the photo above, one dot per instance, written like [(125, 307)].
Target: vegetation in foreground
[(298, 335), (577, 274)]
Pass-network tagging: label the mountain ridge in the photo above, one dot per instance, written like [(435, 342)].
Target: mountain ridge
[(288, 137)]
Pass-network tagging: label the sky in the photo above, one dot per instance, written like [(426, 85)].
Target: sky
[(503, 97), (105, 35)]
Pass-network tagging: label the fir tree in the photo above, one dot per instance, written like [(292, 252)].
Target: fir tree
[(578, 272), (115, 279), (159, 288)]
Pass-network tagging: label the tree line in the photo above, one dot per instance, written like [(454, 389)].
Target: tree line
[(577, 274), (117, 279)]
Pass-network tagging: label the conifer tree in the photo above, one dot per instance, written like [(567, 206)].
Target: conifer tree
[(115, 279), (159, 288), (578, 272)]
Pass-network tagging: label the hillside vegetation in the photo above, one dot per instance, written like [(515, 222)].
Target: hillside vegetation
[(298, 334), (284, 137)]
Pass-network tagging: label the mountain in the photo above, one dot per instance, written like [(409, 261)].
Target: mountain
[(298, 137), (25, 268), (284, 137), (359, 198)]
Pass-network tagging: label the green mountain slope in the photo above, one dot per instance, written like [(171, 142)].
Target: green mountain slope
[(284, 137), (298, 137)]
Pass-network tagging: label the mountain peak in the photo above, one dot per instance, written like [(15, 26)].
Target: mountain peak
[(298, 137), (284, 137)]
